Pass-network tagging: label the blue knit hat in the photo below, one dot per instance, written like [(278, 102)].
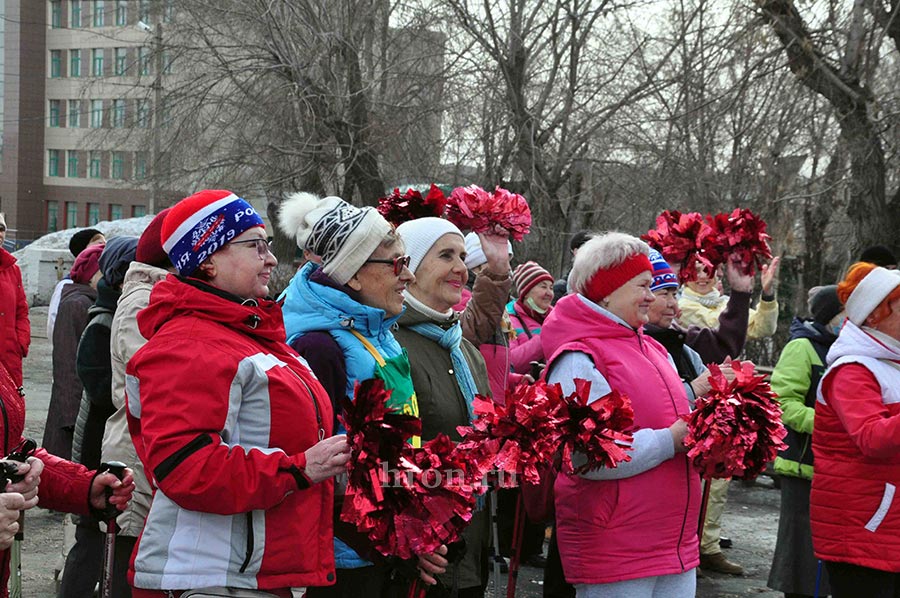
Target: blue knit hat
[(663, 276)]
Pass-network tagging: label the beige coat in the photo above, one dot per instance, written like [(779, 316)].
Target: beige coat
[(125, 340)]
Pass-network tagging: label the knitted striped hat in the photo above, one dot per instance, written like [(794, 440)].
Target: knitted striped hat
[(663, 276), (527, 276), (200, 225)]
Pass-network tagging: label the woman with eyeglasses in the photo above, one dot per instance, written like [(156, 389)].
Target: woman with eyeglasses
[(233, 429), (338, 316)]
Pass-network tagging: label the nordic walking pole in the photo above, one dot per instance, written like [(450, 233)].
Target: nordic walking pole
[(20, 454), (495, 551), (110, 513), (704, 502), (518, 532)]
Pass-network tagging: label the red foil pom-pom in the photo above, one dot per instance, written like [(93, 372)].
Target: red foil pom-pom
[(684, 240), (742, 236), (736, 429), (397, 208), (407, 501), (596, 430), (516, 437), (500, 212)]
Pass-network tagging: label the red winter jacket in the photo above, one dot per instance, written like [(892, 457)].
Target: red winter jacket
[(221, 411), (639, 526), (856, 445), (15, 330), (64, 485)]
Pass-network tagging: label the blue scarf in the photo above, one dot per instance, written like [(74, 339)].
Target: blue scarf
[(450, 339)]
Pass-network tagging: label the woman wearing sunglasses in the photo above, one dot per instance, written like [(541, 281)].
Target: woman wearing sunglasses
[(338, 316)]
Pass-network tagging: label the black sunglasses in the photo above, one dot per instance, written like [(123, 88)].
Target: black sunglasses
[(398, 262)]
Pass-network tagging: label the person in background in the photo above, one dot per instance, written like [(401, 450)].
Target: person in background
[(14, 324), (561, 286), (65, 395), (856, 442), (447, 370), (702, 305), (85, 559), (795, 381), (150, 266), (628, 530), (233, 427), (80, 241), (534, 287), (880, 256), (496, 353)]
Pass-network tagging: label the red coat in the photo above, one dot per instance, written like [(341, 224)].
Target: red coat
[(856, 445), (64, 485), (221, 411), (15, 330)]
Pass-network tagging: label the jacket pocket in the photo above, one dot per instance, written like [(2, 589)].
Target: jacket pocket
[(886, 499)]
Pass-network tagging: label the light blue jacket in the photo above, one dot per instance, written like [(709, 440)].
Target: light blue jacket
[(313, 307)]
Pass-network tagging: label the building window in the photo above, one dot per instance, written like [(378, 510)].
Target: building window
[(74, 63), (118, 165), (56, 14), (168, 11), (121, 12), (143, 114), (54, 113), (118, 115), (55, 64), (93, 214), (94, 164), (52, 216), (71, 214), (96, 114), (168, 63), (144, 10), (98, 13), (52, 162), (74, 114), (138, 211), (115, 211), (144, 60), (75, 13), (140, 165), (72, 164), (97, 62), (121, 61)]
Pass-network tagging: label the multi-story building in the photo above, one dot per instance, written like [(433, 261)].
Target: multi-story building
[(77, 106)]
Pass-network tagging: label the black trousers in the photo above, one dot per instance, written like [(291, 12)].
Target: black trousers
[(85, 563), (555, 584), (853, 581), (532, 540)]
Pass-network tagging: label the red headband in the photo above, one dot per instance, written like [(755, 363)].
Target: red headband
[(604, 282)]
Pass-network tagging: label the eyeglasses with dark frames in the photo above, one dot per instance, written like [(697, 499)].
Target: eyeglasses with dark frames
[(263, 247), (398, 263)]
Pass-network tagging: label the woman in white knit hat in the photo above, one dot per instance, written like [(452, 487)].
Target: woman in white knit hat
[(447, 369), (338, 314), (856, 441)]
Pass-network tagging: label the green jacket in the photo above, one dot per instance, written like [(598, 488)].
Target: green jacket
[(442, 406), (794, 381)]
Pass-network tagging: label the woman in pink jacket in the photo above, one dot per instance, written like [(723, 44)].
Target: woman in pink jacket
[(628, 531), (534, 286)]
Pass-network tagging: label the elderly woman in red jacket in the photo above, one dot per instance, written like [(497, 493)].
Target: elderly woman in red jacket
[(856, 441), (15, 329), (627, 531)]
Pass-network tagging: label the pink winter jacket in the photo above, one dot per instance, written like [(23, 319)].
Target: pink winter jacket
[(526, 347), (640, 526)]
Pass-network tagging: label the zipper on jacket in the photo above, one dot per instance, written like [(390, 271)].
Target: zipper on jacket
[(5, 428), (687, 463), (175, 459), (249, 553), (321, 434)]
